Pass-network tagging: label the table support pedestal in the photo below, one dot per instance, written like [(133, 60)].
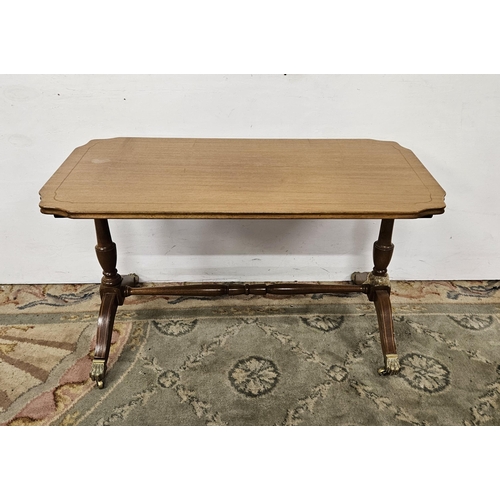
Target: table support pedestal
[(379, 294), (114, 289)]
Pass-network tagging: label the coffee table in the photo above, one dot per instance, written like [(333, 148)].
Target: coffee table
[(153, 178)]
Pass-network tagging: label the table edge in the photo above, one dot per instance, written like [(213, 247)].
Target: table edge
[(265, 215), (47, 195)]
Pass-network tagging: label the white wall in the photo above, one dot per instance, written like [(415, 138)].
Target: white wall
[(452, 123)]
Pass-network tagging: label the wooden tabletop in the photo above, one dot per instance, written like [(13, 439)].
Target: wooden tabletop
[(242, 178)]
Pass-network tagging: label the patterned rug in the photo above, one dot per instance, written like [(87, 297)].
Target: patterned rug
[(251, 360)]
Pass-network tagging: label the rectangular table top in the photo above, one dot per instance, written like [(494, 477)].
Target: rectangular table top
[(241, 178)]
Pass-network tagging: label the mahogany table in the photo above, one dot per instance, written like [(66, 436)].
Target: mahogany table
[(146, 178)]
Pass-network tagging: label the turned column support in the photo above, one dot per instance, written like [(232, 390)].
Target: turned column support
[(382, 254), (383, 248), (106, 254)]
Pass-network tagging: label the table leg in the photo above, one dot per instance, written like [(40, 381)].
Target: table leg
[(379, 293), (109, 304), (113, 289)]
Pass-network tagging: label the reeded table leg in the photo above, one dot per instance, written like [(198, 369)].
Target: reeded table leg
[(113, 290), (380, 289), (109, 304), (386, 327)]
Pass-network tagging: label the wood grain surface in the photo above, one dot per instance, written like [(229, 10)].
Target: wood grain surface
[(241, 178)]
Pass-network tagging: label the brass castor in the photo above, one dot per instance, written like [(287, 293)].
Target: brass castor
[(392, 365), (97, 372)]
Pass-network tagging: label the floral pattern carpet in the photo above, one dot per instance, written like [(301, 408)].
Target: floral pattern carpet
[(251, 360)]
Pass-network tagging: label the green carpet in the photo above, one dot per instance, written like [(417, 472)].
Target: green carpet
[(250, 360)]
